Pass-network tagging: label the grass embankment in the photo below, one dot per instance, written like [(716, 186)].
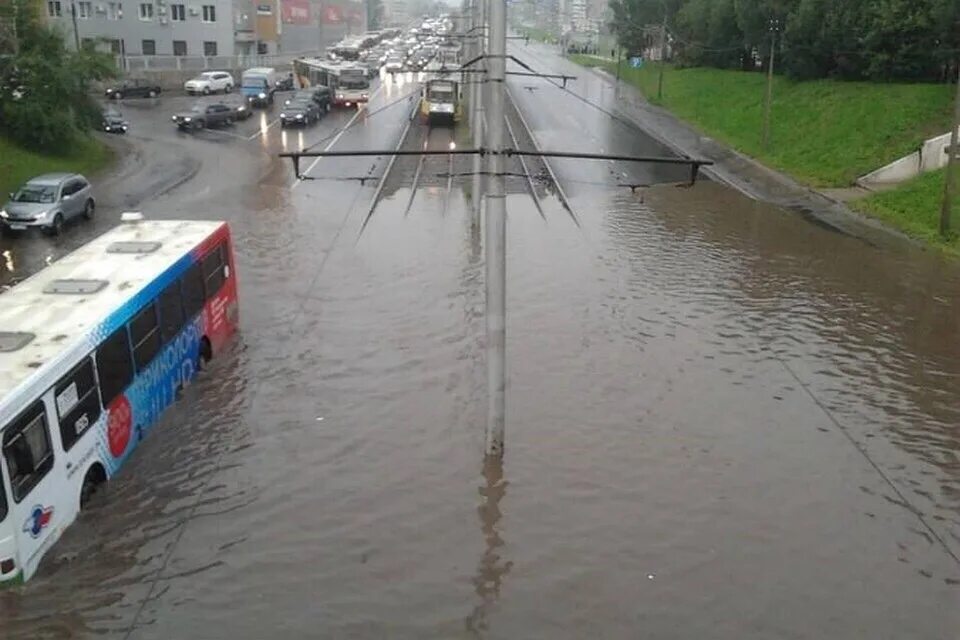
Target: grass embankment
[(825, 133), (18, 165), (914, 208)]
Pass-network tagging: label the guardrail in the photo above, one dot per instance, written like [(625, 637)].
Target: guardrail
[(132, 64)]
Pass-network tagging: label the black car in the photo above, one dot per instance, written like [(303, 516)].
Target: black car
[(321, 95), (202, 116), (302, 111), (286, 84), (133, 89), (113, 121), (241, 110)]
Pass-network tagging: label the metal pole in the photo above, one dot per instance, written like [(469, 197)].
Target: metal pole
[(663, 54), (477, 128), (950, 179), (619, 55), (496, 233), (76, 33), (769, 101)]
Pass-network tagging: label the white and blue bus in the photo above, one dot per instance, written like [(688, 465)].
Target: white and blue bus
[(92, 350)]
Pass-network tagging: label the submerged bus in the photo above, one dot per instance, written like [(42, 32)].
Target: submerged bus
[(92, 350), (348, 82)]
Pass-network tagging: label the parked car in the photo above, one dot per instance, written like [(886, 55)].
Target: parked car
[(202, 116), (302, 111), (209, 82), (113, 121), (134, 88), (48, 202), (241, 110)]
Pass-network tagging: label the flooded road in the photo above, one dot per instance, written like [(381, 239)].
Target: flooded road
[(724, 421)]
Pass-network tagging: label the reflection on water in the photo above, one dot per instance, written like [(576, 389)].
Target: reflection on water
[(492, 568)]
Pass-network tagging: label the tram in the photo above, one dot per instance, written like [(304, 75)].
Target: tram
[(440, 100)]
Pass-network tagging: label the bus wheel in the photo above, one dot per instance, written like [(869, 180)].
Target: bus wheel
[(95, 477), (206, 352)]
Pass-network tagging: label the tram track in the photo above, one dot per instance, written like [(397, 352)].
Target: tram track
[(538, 170)]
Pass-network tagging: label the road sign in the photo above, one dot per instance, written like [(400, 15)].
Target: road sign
[(636, 62)]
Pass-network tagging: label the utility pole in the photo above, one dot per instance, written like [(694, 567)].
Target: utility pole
[(496, 233), (768, 103), (663, 53), (950, 179)]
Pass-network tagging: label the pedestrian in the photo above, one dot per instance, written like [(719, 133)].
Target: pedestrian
[(613, 53)]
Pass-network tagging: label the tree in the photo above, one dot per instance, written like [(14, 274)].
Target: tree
[(44, 87), (632, 20)]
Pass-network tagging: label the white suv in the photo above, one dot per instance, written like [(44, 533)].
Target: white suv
[(209, 82)]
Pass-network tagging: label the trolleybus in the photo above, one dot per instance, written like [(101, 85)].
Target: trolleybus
[(348, 82)]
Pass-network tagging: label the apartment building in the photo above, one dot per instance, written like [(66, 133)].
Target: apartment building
[(212, 28), (149, 27)]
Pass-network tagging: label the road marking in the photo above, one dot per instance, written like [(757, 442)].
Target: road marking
[(260, 132), (336, 138)]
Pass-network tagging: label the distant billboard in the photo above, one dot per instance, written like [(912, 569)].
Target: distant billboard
[(295, 11), (332, 14)]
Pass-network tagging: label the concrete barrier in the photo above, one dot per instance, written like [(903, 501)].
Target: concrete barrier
[(929, 156)]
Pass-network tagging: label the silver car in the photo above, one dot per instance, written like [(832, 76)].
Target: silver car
[(48, 202)]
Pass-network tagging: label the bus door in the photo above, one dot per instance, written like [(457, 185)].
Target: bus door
[(41, 501)]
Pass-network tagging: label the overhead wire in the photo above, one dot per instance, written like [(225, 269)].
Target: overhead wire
[(368, 115)]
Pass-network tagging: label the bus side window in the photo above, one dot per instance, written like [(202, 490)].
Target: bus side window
[(78, 403), (171, 312), (145, 335), (213, 271), (114, 365), (193, 294), (26, 447)]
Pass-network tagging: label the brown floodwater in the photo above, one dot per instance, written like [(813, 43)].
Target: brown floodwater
[(723, 421)]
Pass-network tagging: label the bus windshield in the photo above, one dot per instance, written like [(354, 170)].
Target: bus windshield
[(352, 83)]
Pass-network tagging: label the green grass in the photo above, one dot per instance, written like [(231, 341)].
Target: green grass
[(826, 133), (914, 208), (17, 164)]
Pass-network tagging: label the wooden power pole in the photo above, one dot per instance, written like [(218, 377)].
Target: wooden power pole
[(768, 103), (950, 179)]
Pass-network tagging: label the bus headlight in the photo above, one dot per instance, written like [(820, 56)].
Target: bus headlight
[(261, 95)]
